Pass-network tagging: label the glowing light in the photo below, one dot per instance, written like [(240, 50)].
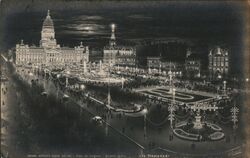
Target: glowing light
[(88, 28), (113, 26), (82, 86)]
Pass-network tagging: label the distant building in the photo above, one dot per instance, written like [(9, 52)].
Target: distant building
[(192, 64), (218, 65), (96, 55), (118, 55), (49, 53), (175, 67), (158, 65), (154, 62)]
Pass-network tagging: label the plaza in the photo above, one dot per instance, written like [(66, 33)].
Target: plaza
[(186, 116), (156, 96), (182, 96), (145, 126)]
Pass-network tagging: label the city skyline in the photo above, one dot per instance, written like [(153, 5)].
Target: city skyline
[(125, 79), (200, 25)]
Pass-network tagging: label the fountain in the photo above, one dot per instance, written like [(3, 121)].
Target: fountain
[(198, 129), (197, 123), (101, 73)]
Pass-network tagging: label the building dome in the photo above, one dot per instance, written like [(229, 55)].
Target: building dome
[(48, 33), (48, 22)]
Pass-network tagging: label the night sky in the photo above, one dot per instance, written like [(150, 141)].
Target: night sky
[(203, 24)]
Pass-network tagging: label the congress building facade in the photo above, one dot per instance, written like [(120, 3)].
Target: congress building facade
[(49, 53)]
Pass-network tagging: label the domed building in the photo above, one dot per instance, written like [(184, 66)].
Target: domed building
[(49, 53), (48, 33)]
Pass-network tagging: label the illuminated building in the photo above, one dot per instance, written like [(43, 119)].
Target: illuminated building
[(218, 63), (118, 55), (49, 53)]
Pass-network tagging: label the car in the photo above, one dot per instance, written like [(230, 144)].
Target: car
[(97, 120), (44, 93), (65, 96)]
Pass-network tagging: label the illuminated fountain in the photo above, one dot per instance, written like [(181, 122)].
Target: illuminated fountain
[(101, 74), (199, 129)]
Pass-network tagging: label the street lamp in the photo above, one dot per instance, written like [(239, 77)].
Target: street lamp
[(199, 75), (174, 93), (122, 82), (171, 110), (57, 90), (112, 26), (234, 114), (145, 126), (225, 86), (247, 80), (219, 76), (82, 87), (67, 80)]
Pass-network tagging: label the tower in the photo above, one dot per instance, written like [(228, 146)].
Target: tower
[(218, 63), (112, 41), (210, 64), (188, 52), (48, 33)]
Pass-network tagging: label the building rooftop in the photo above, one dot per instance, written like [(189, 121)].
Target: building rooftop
[(218, 51), (153, 58), (48, 22), (194, 56), (119, 48)]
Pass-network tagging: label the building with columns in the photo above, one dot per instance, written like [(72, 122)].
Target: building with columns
[(124, 56), (218, 65), (49, 53)]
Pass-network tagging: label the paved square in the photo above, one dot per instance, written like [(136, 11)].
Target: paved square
[(182, 96)]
